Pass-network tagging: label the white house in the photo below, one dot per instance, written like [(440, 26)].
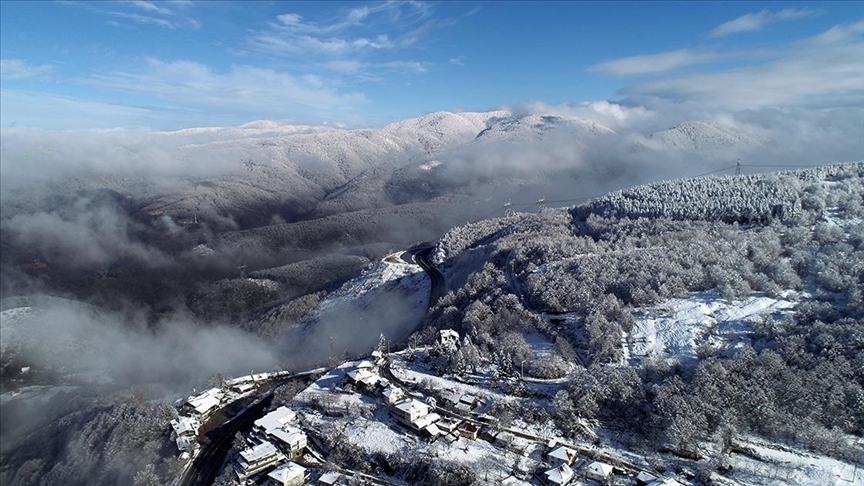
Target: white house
[(292, 439), (186, 429), (363, 376), (562, 455), (276, 426), (206, 403), (599, 471), (392, 395), (276, 419), (560, 475), (410, 411), (448, 337), (257, 459), (290, 474), (331, 479)]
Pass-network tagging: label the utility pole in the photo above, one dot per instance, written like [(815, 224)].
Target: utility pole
[(738, 167)]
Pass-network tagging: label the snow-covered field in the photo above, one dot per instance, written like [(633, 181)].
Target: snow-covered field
[(675, 329)]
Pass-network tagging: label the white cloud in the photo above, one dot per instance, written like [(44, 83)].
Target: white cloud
[(256, 92), (150, 7), (139, 12), (377, 26), (757, 21), (18, 69), (458, 60), (663, 62), (824, 70)]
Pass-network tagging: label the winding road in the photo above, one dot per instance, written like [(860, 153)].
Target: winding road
[(420, 256)]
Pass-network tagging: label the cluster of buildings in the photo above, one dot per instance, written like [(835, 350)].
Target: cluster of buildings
[(276, 440)]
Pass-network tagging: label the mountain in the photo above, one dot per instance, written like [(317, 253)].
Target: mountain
[(707, 135)]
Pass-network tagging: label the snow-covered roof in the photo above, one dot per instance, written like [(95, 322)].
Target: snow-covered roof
[(426, 420), (563, 454), (291, 436), (206, 401), (392, 392), (432, 430), (411, 406), (330, 478), (287, 472), (276, 419), (365, 364), (665, 482), (243, 387), (645, 477), (449, 334), (363, 375), (186, 443), (185, 425), (559, 475), (598, 468), (256, 453)]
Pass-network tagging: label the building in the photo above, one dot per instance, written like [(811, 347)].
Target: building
[(290, 474), (392, 395), (276, 426), (448, 337), (559, 475), (331, 479), (644, 478), (598, 471), (363, 377), (448, 424), (186, 429), (257, 459), (205, 404), (469, 430), (409, 411), (276, 419), (562, 455), (463, 402), (242, 388)]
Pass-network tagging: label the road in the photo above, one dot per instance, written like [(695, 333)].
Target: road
[(421, 257)]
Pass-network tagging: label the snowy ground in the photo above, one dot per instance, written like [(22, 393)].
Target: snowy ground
[(675, 329), (773, 465)]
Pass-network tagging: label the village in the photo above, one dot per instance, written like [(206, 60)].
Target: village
[(390, 403)]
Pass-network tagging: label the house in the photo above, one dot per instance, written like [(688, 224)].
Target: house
[(469, 430), (363, 377), (292, 439), (331, 479), (559, 475), (291, 474), (409, 411), (276, 426), (448, 424), (598, 471), (464, 402), (256, 459), (186, 429), (562, 455), (242, 388), (665, 482), (365, 365), (206, 403), (448, 337), (644, 478), (392, 395), (275, 420)]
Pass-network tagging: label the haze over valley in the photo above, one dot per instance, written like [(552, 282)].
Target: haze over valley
[(648, 254)]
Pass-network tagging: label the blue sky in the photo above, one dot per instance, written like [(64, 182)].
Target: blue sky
[(168, 65)]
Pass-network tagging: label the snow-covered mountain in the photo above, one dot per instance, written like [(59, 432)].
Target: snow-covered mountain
[(707, 135), (530, 128)]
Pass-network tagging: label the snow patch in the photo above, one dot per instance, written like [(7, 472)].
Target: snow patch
[(674, 330)]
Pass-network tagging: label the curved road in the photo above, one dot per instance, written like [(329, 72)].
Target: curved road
[(421, 257)]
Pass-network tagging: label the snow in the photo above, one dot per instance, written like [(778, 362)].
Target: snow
[(778, 465), (675, 329), (699, 135), (265, 282)]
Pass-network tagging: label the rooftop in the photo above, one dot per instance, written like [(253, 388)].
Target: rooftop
[(287, 472), (258, 452), (276, 419)]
